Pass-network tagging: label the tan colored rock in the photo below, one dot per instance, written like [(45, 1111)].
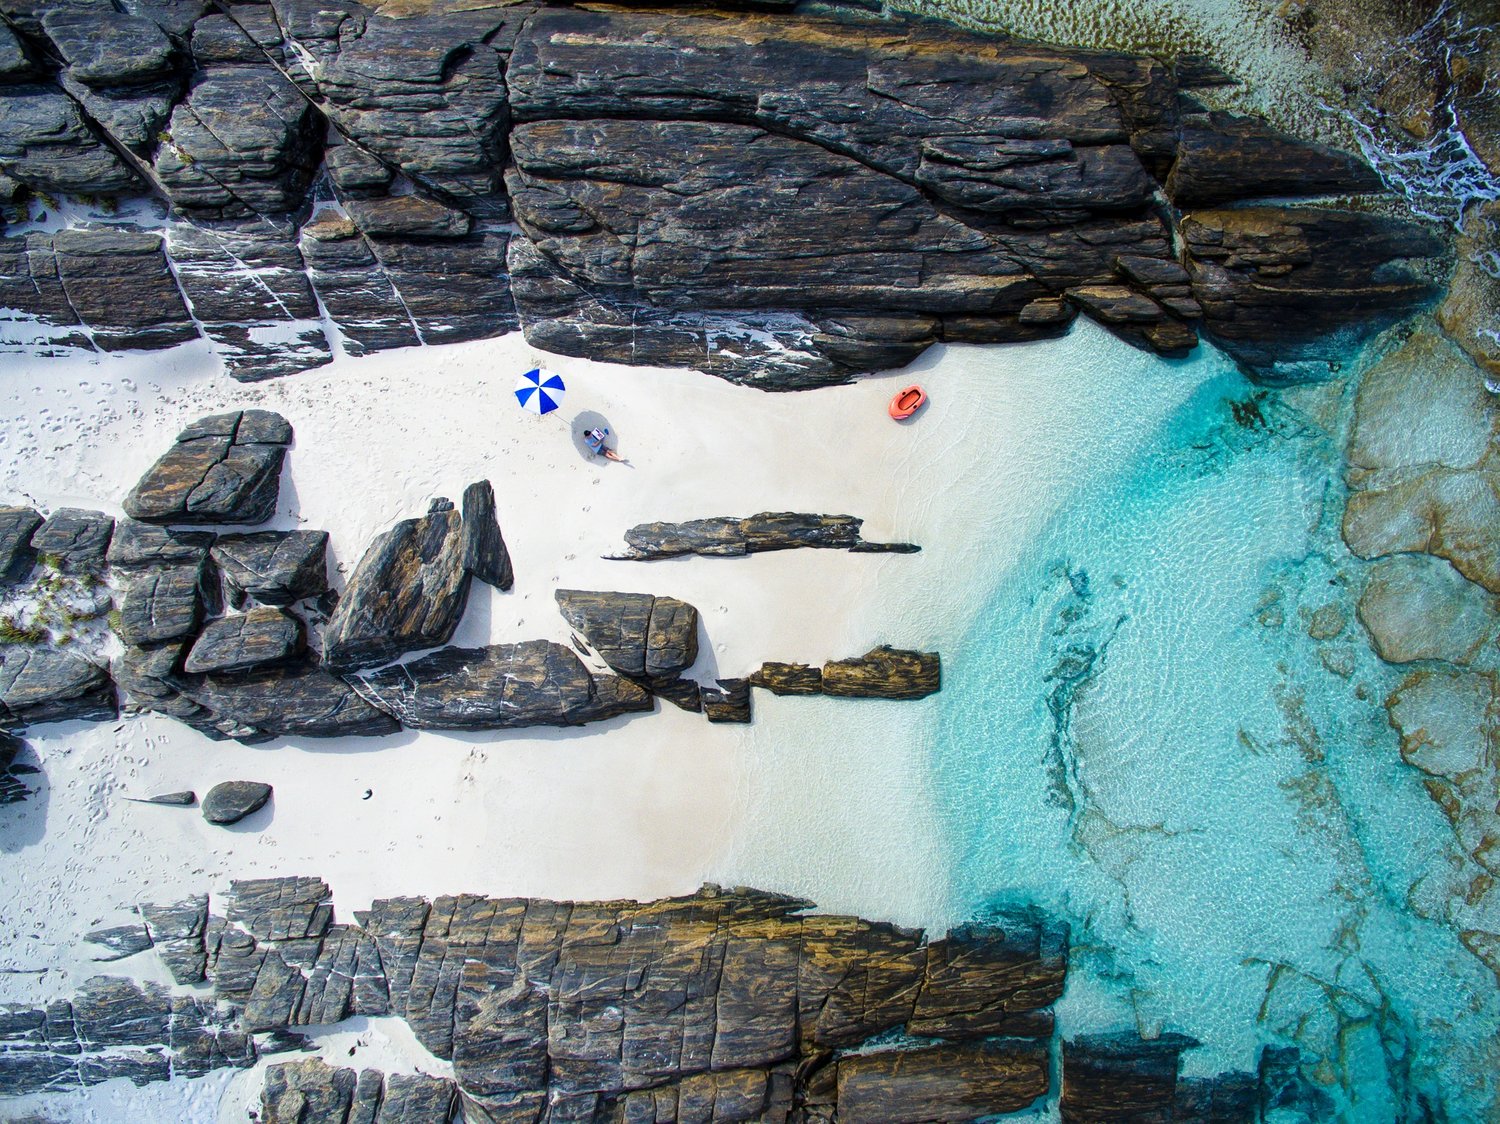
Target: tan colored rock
[(1416, 607), (1327, 621), (1424, 461), (1449, 722), (1471, 310)]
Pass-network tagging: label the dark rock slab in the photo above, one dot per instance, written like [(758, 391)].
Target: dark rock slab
[(408, 216), (137, 544), (1224, 156), (728, 536), (222, 469), (164, 602), (46, 143), (1121, 1077), (502, 687), (245, 141), (275, 567), (17, 525), (1278, 285), (884, 673), (250, 291), (407, 592), (946, 1082), (106, 48), (264, 635), (416, 1097), (637, 634), (452, 289), (118, 282), (788, 678), (41, 685), (485, 554), (151, 679), (307, 1091), (118, 941), (354, 287), (727, 702), (231, 801), (356, 173), (294, 700), (77, 538)]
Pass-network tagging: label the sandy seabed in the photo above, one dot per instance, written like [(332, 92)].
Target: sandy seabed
[(829, 799)]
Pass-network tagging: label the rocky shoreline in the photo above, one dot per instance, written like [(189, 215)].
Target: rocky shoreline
[(724, 1006), (787, 199)]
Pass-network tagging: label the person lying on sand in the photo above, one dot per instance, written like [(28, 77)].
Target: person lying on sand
[(595, 439)]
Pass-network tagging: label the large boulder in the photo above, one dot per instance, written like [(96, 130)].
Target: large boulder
[(40, 685), (485, 554), (289, 700), (407, 592), (274, 567), (502, 687), (264, 635), (165, 602), (137, 544), (637, 634), (944, 1082), (884, 673), (222, 469), (76, 538), (231, 801)]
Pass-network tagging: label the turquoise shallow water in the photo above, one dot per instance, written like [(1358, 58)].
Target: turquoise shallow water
[(1140, 735)]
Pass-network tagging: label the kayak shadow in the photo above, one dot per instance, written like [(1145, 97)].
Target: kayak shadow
[(585, 421)]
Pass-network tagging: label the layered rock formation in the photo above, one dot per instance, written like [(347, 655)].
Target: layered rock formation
[(722, 1006), (785, 199)]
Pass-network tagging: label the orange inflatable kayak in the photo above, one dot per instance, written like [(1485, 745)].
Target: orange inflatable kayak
[(907, 402)]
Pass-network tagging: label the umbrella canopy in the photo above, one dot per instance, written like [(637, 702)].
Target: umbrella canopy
[(540, 391)]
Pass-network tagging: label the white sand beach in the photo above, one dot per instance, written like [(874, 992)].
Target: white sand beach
[(819, 797)]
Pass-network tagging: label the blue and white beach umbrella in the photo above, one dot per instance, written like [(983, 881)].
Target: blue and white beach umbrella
[(540, 391)]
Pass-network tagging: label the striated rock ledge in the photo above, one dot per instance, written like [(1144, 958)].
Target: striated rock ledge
[(730, 537), (721, 1006), (782, 198)]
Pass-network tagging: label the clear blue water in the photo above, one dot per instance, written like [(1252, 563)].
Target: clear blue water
[(1141, 736)]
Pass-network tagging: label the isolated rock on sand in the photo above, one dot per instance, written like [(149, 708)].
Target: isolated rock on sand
[(264, 635), (884, 673), (222, 469), (137, 544), (41, 685), (231, 801), (274, 567), (17, 525), (407, 592), (184, 799), (1417, 607), (637, 634), (485, 553), (164, 602), (291, 700), (1424, 461), (118, 941), (77, 538), (769, 530), (727, 701), (502, 687), (788, 678)]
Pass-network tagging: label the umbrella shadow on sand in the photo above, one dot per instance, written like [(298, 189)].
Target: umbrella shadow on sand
[(592, 419)]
